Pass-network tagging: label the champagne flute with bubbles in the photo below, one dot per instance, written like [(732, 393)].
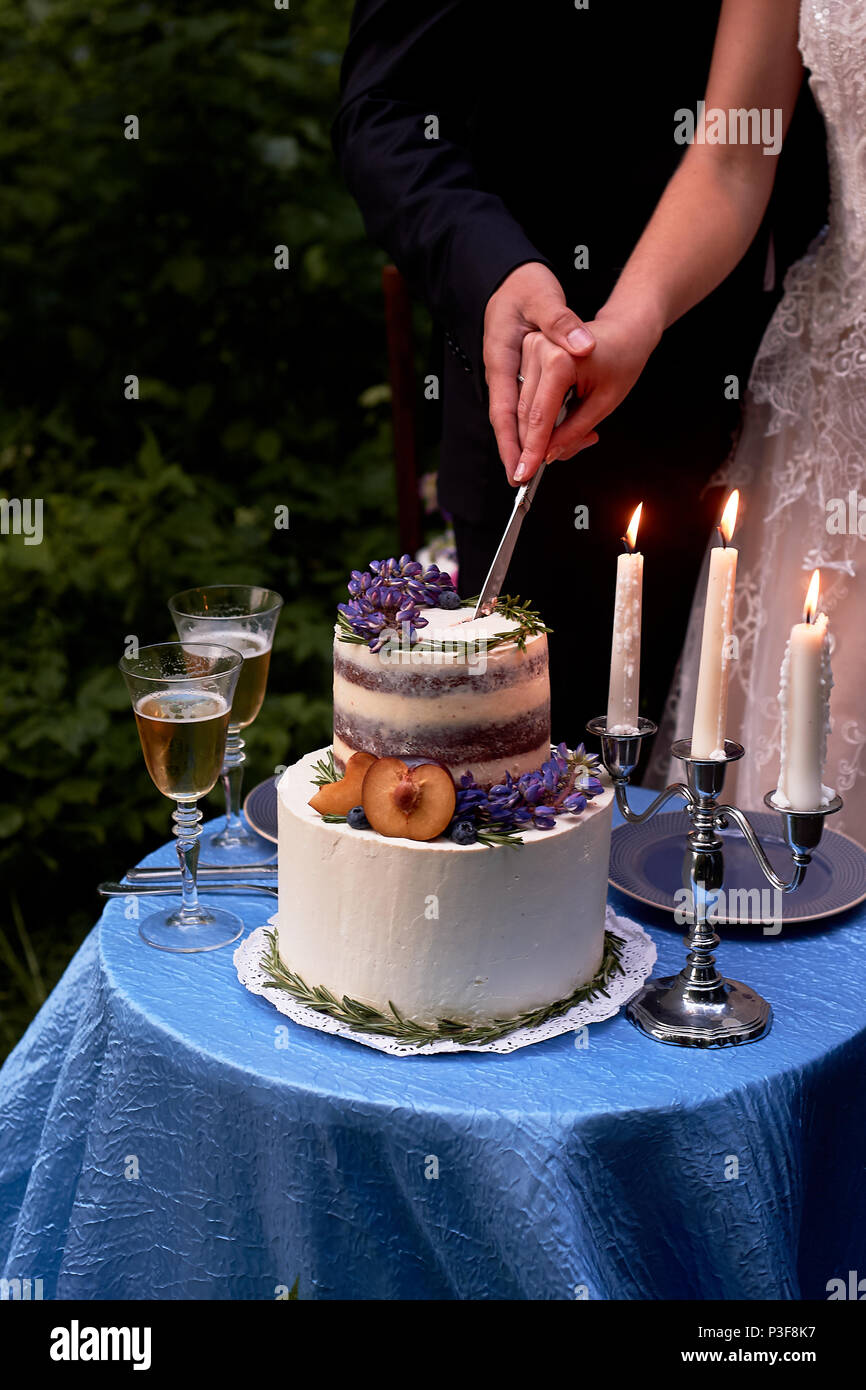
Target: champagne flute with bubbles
[(181, 696), (242, 616)]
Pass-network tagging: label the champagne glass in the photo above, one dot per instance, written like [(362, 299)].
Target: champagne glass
[(242, 616), (181, 696)]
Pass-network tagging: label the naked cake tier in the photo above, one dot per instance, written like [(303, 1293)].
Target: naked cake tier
[(478, 709)]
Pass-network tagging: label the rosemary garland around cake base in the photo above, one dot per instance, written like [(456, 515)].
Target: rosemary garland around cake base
[(364, 1019)]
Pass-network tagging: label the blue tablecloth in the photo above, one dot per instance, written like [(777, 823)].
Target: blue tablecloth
[(157, 1141)]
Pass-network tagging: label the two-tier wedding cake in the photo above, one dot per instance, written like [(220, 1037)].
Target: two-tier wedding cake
[(441, 861)]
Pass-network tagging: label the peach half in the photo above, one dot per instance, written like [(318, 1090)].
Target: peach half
[(416, 802), (338, 798)]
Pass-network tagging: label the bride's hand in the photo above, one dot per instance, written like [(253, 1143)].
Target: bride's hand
[(601, 381), (548, 372)]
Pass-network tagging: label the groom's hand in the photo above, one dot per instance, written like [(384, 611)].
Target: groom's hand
[(530, 298)]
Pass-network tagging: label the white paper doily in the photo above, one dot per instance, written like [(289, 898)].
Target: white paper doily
[(637, 959)]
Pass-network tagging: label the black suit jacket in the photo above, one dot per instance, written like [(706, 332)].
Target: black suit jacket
[(476, 137)]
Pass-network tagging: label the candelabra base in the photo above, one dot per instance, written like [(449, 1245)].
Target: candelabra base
[(672, 1010), (698, 1008)]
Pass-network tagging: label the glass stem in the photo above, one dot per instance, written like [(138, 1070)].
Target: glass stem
[(232, 780), (187, 827)]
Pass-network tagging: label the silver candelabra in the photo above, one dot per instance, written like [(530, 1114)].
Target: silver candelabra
[(699, 1007)]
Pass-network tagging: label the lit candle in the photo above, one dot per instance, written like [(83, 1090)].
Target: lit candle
[(624, 688), (711, 705), (805, 682)]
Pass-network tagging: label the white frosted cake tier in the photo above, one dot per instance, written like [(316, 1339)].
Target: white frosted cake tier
[(468, 933), (479, 711)]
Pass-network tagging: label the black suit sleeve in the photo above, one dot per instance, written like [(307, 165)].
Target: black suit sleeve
[(421, 197)]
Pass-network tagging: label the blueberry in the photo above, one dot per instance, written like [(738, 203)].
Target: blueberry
[(357, 819), (464, 833), (449, 598)]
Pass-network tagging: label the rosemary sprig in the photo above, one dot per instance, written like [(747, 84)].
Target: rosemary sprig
[(347, 634), (325, 770), (513, 609), (362, 1018), (499, 837)]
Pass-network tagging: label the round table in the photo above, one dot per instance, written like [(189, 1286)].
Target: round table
[(165, 1134)]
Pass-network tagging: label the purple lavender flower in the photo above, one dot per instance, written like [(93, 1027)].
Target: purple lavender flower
[(533, 792), (590, 785), (390, 594), (562, 785)]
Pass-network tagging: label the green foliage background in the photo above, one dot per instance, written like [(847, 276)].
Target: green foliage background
[(259, 387)]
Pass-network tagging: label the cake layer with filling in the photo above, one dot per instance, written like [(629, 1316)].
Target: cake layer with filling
[(475, 708)]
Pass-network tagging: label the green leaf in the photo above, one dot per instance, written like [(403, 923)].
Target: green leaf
[(11, 821), (267, 445)]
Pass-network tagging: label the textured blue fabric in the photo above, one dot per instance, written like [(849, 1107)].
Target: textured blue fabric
[(625, 1169)]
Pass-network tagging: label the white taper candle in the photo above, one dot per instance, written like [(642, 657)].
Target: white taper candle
[(711, 704), (624, 689), (805, 682)]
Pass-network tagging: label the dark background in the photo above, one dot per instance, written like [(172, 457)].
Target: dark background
[(258, 388)]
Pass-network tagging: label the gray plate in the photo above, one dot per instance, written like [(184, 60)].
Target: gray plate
[(260, 808), (646, 863)]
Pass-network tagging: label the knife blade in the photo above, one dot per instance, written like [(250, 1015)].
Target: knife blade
[(502, 559)]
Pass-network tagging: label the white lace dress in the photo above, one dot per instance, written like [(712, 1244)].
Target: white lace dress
[(799, 463)]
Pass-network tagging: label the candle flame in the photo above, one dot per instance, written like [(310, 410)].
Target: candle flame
[(729, 516), (810, 607), (631, 530)]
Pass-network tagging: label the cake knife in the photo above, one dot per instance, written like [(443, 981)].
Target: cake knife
[(502, 559)]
